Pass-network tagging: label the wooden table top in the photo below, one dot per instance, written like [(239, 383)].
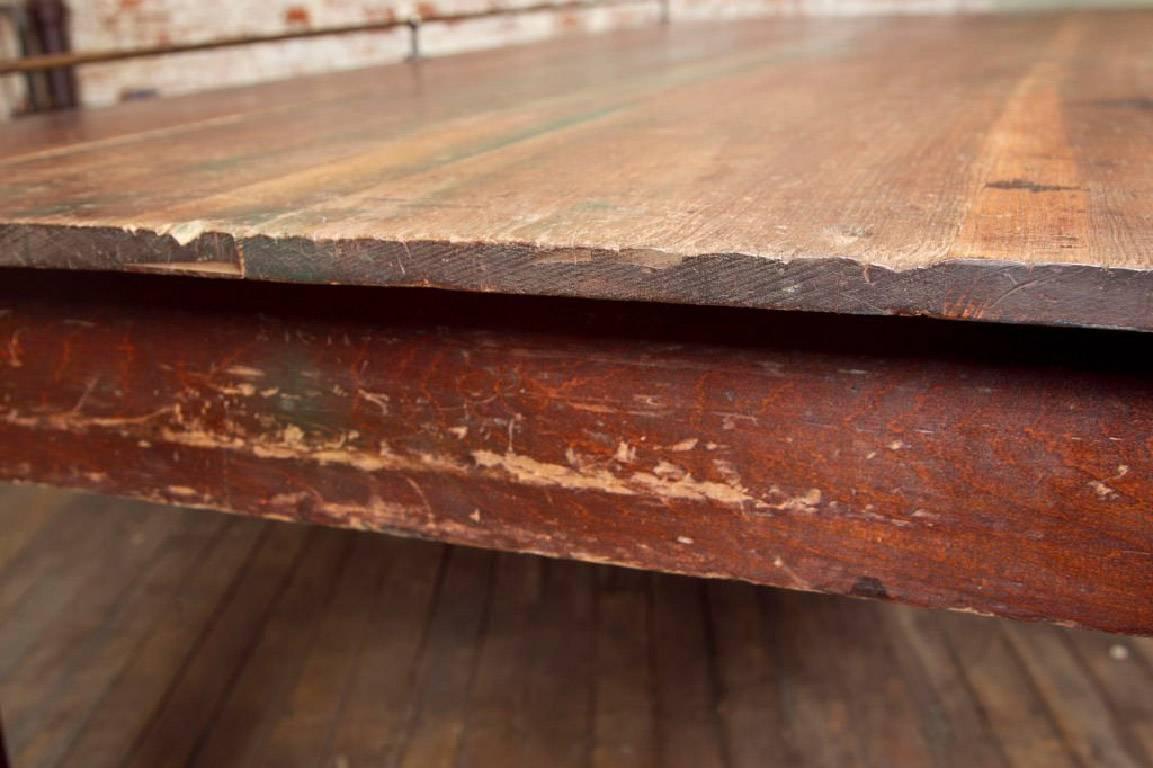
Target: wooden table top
[(977, 167)]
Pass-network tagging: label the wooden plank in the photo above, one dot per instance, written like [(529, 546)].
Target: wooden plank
[(686, 687), (817, 701), (61, 675), (447, 665), (39, 514), (50, 672), (28, 603), (753, 679), (301, 733), (112, 624), (558, 680), (208, 701), (877, 697), (205, 599), (164, 636), (1079, 707), (1020, 719), (530, 701), (689, 164), (1007, 475), (1122, 678), (375, 715), (495, 730), (952, 719), (624, 730)]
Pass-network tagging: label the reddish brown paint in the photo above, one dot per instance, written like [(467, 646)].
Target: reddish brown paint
[(992, 469)]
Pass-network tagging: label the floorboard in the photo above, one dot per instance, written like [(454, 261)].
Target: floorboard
[(145, 636)]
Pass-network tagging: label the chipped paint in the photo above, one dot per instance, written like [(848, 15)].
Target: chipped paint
[(244, 371), (379, 399), (186, 232), (666, 470), (807, 502), (689, 489), (527, 470), (1103, 491), (666, 480)]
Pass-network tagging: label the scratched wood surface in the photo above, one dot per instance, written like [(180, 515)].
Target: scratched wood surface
[(991, 168), (139, 636), (980, 467)]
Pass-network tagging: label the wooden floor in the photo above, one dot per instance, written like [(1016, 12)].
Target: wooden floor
[(142, 636)]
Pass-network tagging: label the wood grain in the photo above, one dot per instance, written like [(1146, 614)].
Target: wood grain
[(984, 468), (762, 669), (969, 167)]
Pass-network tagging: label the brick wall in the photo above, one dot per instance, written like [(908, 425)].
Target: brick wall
[(100, 24), (106, 24)]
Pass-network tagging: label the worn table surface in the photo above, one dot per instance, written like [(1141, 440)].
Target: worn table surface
[(973, 167)]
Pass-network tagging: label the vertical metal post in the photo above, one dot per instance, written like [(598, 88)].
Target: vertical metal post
[(414, 38), (666, 11)]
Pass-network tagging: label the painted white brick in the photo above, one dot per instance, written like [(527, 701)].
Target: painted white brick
[(112, 24)]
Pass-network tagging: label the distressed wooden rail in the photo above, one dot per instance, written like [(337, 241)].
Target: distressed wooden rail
[(982, 468)]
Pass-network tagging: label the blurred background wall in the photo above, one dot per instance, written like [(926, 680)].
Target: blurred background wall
[(110, 24)]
